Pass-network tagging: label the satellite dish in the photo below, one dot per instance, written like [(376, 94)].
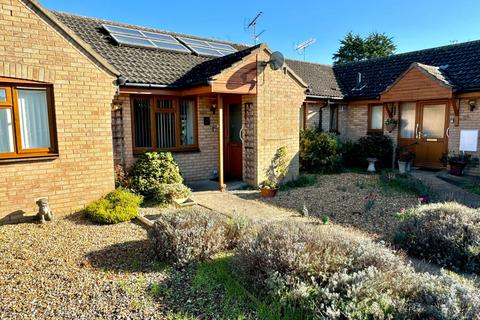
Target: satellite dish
[(277, 60)]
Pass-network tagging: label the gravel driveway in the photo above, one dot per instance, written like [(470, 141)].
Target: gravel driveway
[(72, 269)]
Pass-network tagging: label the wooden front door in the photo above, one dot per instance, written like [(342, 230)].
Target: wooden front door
[(423, 129), (233, 142)]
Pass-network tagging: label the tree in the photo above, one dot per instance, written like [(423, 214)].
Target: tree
[(355, 48)]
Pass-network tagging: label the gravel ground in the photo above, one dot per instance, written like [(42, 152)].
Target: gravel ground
[(343, 198), (72, 269)]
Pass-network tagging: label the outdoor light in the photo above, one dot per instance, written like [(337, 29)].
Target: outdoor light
[(213, 108), (472, 104)]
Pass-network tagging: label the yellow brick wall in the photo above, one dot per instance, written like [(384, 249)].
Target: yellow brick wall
[(32, 49), (279, 99), (467, 120)]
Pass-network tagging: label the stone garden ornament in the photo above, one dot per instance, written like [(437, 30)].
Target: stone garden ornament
[(44, 212)]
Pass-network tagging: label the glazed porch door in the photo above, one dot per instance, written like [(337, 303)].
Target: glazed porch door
[(233, 142), (423, 127)]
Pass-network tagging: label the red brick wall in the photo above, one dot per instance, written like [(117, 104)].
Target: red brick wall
[(32, 49)]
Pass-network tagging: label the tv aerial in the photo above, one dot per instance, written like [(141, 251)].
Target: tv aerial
[(302, 46), (253, 26)]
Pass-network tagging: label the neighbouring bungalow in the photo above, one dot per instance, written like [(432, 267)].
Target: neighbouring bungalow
[(434, 94), (78, 95)]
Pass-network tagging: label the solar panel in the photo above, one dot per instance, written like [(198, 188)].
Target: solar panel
[(136, 41), (207, 48), (122, 30), (146, 39), (206, 51)]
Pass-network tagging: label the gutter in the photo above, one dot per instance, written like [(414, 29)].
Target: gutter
[(149, 85), (323, 97)]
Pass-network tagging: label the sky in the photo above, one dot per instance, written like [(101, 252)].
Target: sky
[(413, 24)]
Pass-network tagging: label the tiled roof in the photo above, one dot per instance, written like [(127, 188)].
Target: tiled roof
[(143, 65), (319, 77), (207, 69), (436, 72), (459, 63)]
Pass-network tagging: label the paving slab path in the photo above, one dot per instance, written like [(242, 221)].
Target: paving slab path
[(446, 191), (231, 203)]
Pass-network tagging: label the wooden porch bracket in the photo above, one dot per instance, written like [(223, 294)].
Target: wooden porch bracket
[(221, 178), (456, 111), (390, 108)]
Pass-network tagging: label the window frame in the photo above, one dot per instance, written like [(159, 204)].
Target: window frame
[(12, 100), (369, 127), (330, 122), (153, 128)]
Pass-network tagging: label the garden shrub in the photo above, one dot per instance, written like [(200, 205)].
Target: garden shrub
[(329, 273), (446, 233), (153, 168), (164, 193), (373, 145), (117, 206), (190, 235), (319, 151)]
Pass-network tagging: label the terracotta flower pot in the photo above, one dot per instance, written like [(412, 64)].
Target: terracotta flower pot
[(268, 193), (456, 168)]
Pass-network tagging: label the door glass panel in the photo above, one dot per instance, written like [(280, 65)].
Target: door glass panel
[(34, 126), (234, 122), (6, 131), (407, 120), (433, 121)]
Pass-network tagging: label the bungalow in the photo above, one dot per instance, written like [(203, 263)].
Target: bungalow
[(433, 94), (70, 85)]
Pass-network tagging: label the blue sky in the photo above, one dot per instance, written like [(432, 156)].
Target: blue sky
[(414, 24)]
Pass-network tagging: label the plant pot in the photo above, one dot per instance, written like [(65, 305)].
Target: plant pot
[(183, 203), (402, 166), (268, 193), (371, 165), (390, 127), (409, 166), (456, 168)]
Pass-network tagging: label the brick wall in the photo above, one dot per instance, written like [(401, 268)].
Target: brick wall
[(279, 99), (467, 120), (32, 49)]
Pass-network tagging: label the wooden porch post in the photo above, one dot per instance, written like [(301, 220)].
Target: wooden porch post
[(221, 182)]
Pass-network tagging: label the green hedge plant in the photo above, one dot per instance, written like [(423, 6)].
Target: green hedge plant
[(165, 193), (446, 233), (152, 169), (117, 206), (320, 151)]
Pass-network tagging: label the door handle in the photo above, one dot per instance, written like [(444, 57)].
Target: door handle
[(448, 132), (242, 130), (416, 131)]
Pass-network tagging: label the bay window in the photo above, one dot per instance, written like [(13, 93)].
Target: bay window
[(27, 122), (164, 123)]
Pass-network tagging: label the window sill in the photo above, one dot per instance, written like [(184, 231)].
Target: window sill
[(29, 158), (186, 150)]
